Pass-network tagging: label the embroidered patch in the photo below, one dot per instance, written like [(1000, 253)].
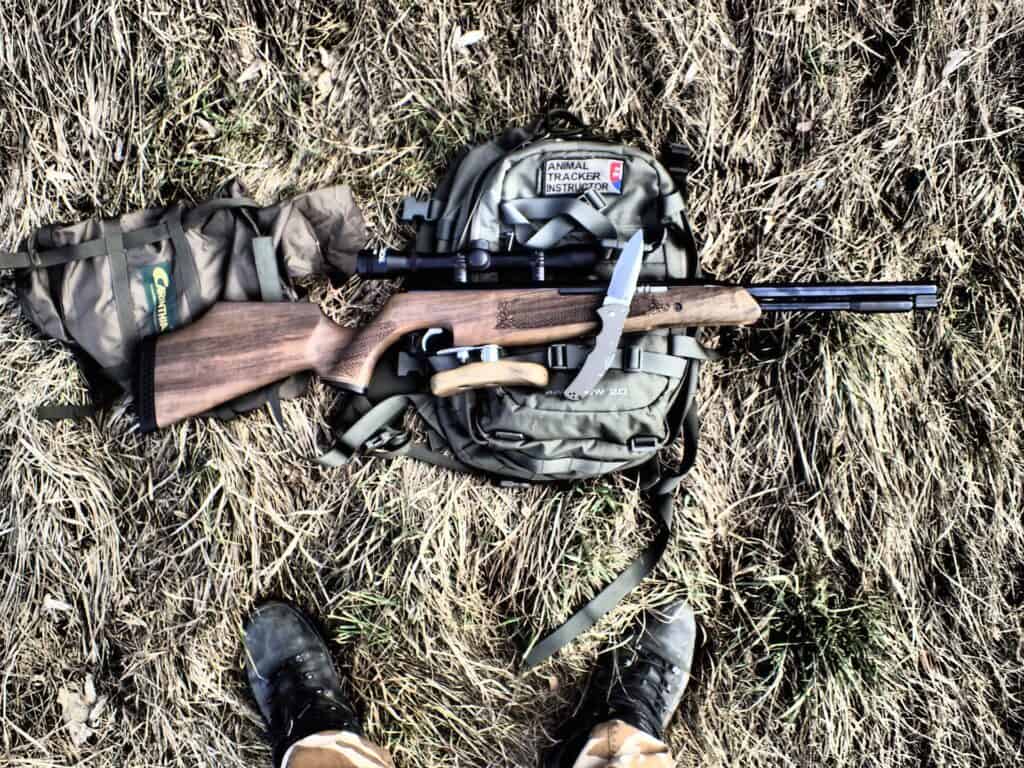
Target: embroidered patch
[(158, 282), (572, 176)]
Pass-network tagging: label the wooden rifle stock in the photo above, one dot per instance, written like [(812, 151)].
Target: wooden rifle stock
[(239, 347)]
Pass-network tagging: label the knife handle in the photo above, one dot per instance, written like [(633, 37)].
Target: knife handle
[(613, 317)]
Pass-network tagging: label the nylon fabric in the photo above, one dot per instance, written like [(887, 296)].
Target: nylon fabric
[(576, 215), (122, 294), (515, 179), (266, 269), (690, 348), (89, 249), (101, 287), (496, 197), (611, 595), (186, 277), (572, 357), (356, 436)]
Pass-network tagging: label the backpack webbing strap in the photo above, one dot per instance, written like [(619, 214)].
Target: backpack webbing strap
[(89, 249), (563, 217), (119, 282), (461, 186), (676, 158), (185, 272), (587, 616), (370, 425), (201, 211), (102, 391), (64, 412), (661, 510), (425, 454), (372, 432), (689, 347), (266, 269), (632, 359)]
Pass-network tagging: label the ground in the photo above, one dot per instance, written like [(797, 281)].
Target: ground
[(851, 537)]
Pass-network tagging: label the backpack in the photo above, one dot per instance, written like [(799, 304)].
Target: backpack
[(538, 189), (102, 285)]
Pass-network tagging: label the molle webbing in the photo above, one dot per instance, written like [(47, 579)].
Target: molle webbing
[(90, 249)]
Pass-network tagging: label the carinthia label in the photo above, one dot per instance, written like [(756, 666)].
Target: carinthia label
[(160, 297), (572, 176)]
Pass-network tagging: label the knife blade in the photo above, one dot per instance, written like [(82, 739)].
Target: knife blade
[(613, 313)]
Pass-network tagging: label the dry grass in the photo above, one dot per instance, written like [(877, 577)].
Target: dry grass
[(853, 540)]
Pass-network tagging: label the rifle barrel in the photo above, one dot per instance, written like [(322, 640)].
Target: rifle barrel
[(845, 297)]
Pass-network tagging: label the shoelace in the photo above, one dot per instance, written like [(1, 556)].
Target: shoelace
[(643, 688), (308, 695)]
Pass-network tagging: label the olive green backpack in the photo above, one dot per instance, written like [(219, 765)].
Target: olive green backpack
[(537, 189), (100, 286)]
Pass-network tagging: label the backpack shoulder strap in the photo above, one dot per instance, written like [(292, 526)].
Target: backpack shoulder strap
[(439, 218), (662, 501), (610, 596), (374, 432)]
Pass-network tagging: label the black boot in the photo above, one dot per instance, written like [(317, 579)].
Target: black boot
[(292, 678), (641, 683)]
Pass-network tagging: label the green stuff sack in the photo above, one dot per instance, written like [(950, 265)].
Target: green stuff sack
[(536, 189), (101, 286)]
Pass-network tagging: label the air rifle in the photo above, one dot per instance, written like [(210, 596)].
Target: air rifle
[(239, 347)]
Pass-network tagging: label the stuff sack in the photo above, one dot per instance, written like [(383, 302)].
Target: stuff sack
[(534, 190), (102, 285)]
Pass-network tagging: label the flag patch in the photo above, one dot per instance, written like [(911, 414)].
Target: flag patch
[(573, 176)]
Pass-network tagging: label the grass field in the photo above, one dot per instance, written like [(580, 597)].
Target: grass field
[(853, 536)]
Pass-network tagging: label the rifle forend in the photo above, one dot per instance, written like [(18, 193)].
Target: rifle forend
[(239, 347)]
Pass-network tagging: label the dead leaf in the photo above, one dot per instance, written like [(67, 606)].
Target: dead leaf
[(80, 709), (804, 126), (207, 127), (957, 58), (470, 38), (251, 72), (328, 60), (461, 41), (801, 12), (324, 84), (97, 711), (311, 74), (52, 604), (59, 177), (691, 73)]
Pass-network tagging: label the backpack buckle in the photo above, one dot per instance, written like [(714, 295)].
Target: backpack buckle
[(642, 443), (387, 440), (487, 353), (633, 359), (558, 357), (594, 199), (508, 436), (413, 208)]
